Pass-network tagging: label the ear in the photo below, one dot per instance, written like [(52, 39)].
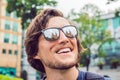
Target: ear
[(36, 57)]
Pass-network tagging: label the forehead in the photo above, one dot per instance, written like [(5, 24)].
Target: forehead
[(57, 22)]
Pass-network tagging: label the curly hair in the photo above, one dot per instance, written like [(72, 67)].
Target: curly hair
[(32, 36)]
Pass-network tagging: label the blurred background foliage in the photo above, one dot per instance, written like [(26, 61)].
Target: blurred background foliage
[(3, 77), (27, 9)]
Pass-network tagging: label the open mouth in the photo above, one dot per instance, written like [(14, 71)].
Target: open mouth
[(64, 50)]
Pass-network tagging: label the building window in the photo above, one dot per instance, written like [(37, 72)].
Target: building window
[(116, 22), (10, 51), (16, 52), (15, 26), (7, 25), (14, 39), (6, 38), (4, 51)]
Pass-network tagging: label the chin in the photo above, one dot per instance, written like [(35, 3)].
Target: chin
[(66, 65)]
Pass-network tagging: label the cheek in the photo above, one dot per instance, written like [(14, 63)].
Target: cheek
[(42, 44), (74, 42), (42, 51), (44, 47), (45, 52)]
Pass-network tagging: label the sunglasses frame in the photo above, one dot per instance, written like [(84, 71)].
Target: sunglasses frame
[(42, 31)]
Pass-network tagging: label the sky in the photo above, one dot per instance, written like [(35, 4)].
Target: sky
[(66, 5)]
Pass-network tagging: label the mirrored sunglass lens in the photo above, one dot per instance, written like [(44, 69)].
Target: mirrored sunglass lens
[(70, 31), (51, 34)]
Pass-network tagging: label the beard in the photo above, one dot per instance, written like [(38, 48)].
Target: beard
[(62, 66)]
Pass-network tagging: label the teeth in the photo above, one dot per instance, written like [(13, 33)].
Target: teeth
[(64, 50)]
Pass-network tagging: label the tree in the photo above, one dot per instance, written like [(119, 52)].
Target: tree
[(27, 9), (90, 27)]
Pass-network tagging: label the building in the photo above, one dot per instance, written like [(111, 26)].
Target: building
[(10, 42), (110, 47)]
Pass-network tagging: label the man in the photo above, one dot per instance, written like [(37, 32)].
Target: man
[(53, 46)]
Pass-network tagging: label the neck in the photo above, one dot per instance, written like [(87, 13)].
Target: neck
[(69, 74)]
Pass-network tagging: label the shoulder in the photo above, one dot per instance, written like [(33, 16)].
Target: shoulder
[(93, 76)]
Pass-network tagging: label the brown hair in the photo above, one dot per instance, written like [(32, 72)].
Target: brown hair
[(32, 36)]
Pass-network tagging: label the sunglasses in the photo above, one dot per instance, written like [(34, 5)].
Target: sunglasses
[(52, 34)]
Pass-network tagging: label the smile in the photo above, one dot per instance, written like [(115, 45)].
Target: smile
[(63, 50)]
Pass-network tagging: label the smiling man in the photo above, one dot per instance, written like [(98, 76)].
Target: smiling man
[(53, 47)]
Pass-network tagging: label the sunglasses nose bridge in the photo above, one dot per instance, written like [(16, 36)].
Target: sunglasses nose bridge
[(62, 35)]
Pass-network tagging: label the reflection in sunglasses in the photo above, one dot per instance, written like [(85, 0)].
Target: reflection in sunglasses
[(54, 36), (68, 33)]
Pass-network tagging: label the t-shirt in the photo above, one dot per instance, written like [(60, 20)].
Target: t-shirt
[(88, 76)]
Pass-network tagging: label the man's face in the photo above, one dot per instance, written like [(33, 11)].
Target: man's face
[(61, 53)]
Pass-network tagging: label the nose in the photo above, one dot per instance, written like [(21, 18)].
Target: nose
[(63, 39)]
